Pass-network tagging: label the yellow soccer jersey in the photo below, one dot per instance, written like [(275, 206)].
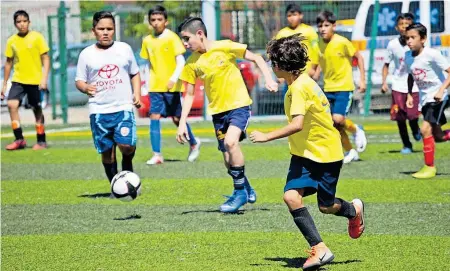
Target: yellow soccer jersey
[(319, 140), (311, 44), (224, 85), (26, 52), (161, 52), (335, 59)]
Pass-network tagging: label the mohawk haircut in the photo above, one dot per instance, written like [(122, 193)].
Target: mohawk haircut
[(288, 54), (192, 25), (419, 28)]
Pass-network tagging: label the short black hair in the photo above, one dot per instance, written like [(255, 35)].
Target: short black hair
[(192, 25), (21, 13), (420, 28), (326, 16), (157, 10), (102, 15), (288, 54), (405, 16), (291, 8)]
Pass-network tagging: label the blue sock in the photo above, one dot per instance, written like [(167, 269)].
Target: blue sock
[(155, 135), (192, 140)]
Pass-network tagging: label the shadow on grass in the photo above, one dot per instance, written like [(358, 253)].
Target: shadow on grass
[(96, 195), (135, 216), (298, 262), (412, 172), (398, 151), (240, 212)]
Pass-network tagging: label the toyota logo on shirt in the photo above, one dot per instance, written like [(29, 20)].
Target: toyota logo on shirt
[(108, 71)]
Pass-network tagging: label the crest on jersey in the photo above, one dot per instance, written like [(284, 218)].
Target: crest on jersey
[(108, 71), (124, 131)]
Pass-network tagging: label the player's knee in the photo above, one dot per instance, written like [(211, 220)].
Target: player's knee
[(13, 105), (126, 149), (426, 131), (176, 121), (291, 198), (230, 144), (338, 121)]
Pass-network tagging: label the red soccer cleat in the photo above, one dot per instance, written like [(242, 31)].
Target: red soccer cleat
[(356, 225), (17, 145), (40, 146)]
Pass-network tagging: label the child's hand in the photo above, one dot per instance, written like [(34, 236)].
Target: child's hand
[(258, 137), (409, 101), (271, 85), (384, 88), (170, 85), (182, 134), (362, 87), (137, 103), (90, 90), (438, 96)]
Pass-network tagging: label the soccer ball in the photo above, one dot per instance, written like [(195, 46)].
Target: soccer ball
[(126, 185)]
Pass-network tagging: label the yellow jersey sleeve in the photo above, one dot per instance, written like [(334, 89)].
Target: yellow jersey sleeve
[(350, 50), (178, 47), (188, 74), (42, 44), (144, 52), (8, 50), (299, 104), (237, 49)]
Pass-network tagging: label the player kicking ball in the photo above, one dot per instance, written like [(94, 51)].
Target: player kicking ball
[(229, 103), (108, 73), (425, 67), (315, 147)]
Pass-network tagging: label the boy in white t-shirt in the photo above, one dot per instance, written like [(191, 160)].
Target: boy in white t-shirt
[(108, 73), (396, 50), (425, 67)]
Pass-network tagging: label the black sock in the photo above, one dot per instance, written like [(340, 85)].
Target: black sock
[(110, 170), (414, 125), (347, 209), (306, 225), (18, 133), (238, 175), (403, 130), (127, 161), (40, 137)]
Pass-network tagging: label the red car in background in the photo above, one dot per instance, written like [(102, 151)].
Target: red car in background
[(248, 72)]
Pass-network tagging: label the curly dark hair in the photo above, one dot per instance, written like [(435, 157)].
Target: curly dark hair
[(288, 54)]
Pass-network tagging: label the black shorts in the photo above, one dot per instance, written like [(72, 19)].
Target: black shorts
[(434, 112), (19, 90)]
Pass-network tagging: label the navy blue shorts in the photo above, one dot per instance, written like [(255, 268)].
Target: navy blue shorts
[(168, 104), (238, 117), (340, 101), (314, 177), (112, 128)]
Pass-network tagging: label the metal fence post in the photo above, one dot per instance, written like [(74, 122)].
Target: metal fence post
[(63, 59), (52, 70), (373, 43)]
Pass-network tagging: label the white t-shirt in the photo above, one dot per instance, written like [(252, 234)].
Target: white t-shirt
[(396, 53), (110, 71), (427, 70)]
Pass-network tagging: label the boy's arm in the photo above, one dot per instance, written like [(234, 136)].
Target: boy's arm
[(136, 85), (188, 100), (314, 72), (294, 127), (384, 74), (177, 72), (362, 81), (271, 85), (6, 74), (45, 59), (440, 94), (409, 99)]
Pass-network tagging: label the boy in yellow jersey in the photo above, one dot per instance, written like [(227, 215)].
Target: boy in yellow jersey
[(164, 50), (27, 52), (315, 148), (294, 18), (335, 54), (229, 103)]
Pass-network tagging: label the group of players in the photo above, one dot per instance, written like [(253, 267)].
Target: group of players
[(317, 127)]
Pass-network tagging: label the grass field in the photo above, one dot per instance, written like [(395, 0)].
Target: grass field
[(56, 214)]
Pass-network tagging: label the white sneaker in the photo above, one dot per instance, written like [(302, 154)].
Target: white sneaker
[(360, 139), (155, 160), (194, 151), (352, 155)]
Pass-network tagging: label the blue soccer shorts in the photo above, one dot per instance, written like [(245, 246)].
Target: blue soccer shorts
[(167, 104), (113, 128), (340, 102), (314, 177), (238, 117)]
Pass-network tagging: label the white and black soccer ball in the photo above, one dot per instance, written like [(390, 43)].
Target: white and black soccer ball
[(126, 186)]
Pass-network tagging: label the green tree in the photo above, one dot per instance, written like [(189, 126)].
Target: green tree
[(87, 9)]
